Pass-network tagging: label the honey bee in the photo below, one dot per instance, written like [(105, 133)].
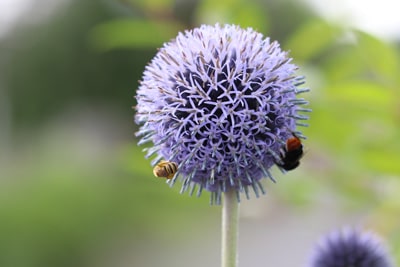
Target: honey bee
[(165, 169), (291, 154)]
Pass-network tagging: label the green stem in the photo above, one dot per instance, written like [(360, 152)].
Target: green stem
[(230, 218)]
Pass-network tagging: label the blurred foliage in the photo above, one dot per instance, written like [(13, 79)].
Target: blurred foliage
[(50, 65), (59, 202), (132, 33), (67, 200)]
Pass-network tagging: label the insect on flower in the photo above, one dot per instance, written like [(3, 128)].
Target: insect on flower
[(165, 169), (292, 153)]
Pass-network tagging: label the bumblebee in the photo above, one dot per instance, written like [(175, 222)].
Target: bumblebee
[(166, 169), (291, 154)]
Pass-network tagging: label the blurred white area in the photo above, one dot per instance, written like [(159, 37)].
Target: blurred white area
[(10, 11), (13, 12), (380, 18)]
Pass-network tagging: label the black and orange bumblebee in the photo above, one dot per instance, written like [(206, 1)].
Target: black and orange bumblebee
[(291, 154)]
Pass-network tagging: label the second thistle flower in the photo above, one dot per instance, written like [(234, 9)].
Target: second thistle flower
[(220, 101), (350, 248)]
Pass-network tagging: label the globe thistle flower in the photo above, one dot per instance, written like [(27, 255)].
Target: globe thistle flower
[(350, 247), (220, 101)]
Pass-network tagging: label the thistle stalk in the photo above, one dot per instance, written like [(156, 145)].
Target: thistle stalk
[(230, 227)]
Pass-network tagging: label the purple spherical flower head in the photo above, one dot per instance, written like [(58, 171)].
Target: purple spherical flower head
[(220, 101), (350, 248)]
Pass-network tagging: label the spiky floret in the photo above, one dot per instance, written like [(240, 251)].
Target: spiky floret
[(220, 101), (350, 248)]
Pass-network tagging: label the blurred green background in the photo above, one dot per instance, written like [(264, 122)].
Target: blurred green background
[(75, 190)]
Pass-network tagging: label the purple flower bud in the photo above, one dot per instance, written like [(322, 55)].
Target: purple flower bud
[(350, 247), (220, 101)]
